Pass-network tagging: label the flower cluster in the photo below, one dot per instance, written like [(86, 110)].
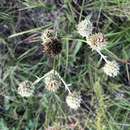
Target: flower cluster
[(53, 82), (98, 42), (52, 79), (53, 46)]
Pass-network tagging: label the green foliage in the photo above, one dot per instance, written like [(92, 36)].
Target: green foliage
[(3, 125)]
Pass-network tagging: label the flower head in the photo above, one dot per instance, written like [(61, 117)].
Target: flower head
[(96, 41), (51, 44), (52, 47), (111, 68), (52, 82), (53, 85), (85, 27), (25, 89), (73, 100)]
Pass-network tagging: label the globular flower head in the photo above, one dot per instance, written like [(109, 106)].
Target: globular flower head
[(73, 100), (52, 47), (111, 68), (52, 82), (85, 27), (96, 41), (25, 89)]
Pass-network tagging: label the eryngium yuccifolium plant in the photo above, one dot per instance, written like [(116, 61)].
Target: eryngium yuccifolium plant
[(73, 100), (96, 41), (111, 68), (85, 27), (52, 47), (52, 82), (25, 89)]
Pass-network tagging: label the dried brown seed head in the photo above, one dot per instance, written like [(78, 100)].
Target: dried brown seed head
[(52, 47)]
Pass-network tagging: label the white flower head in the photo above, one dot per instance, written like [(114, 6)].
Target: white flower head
[(85, 27), (111, 68), (96, 41), (52, 81), (73, 100), (25, 89), (47, 34)]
